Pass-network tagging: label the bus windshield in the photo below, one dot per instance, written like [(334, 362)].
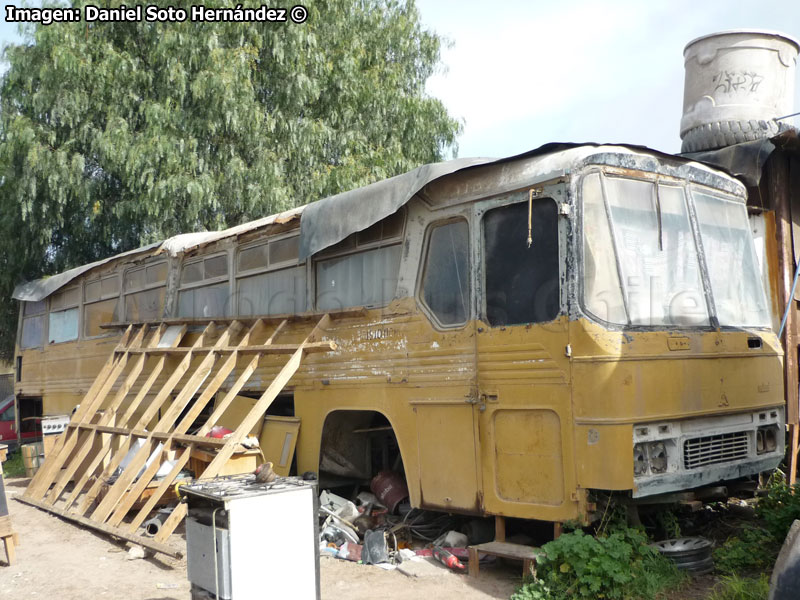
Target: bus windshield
[(646, 246)]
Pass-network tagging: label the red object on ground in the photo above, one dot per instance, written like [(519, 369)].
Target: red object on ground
[(218, 431), (390, 488), (461, 553), (350, 551), (447, 559)]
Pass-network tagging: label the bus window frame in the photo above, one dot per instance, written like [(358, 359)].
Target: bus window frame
[(481, 289), (42, 315), (270, 267), (423, 267), (124, 293), (351, 246), (654, 178), (228, 278), (100, 298), (78, 306)]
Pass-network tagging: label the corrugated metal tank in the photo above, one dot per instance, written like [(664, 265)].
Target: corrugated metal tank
[(737, 84)]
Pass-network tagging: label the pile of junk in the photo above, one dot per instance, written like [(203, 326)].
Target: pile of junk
[(379, 527)]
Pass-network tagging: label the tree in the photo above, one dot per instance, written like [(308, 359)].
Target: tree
[(113, 135)]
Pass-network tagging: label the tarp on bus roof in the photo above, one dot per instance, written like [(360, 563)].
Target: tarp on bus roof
[(36, 290), (322, 223)]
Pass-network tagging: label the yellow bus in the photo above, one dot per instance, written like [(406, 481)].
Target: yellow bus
[(513, 336)]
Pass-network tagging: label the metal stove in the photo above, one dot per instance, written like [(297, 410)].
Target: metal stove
[(54, 424), (248, 540)]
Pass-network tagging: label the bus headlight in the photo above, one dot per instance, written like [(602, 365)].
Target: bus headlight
[(650, 457), (766, 440), (639, 460), (658, 457)]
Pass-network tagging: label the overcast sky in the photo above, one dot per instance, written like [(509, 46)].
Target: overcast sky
[(522, 73)]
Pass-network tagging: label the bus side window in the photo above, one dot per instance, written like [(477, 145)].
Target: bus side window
[(445, 282), (33, 316), (521, 282), (63, 317), (204, 288), (145, 289)]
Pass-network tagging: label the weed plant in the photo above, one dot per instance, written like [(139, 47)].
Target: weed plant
[(755, 547), (619, 565), (13, 466), (733, 587)]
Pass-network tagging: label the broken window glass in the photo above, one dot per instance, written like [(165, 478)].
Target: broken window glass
[(445, 283), (521, 282)]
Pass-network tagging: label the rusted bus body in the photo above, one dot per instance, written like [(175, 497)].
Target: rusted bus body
[(513, 379)]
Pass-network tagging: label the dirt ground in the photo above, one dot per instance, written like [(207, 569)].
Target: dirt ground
[(59, 560)]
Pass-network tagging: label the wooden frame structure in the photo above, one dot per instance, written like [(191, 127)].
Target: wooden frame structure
[(777, 191), (104, 418)]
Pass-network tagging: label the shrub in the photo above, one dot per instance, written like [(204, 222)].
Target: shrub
[(780, 507), (618, 566), (753, 549), (13, 466)]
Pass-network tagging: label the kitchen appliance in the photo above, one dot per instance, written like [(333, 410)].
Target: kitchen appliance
[(248, 540)]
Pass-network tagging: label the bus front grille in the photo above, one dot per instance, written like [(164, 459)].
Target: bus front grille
[(714, 449)]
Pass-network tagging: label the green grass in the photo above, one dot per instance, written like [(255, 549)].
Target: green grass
[(658, 575), (13, 466), (741, 588)]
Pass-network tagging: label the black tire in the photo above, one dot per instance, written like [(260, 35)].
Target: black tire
[(727, 133)]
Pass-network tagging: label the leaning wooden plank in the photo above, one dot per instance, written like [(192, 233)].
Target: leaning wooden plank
[(163, 486), (66, 442), (118, 533), (144, 480), (127, 417), (131, 337), (222, 405), (156, 435), (205, 397), (176, 339), (152, 408), (241, 432), (78, 458), (167, 421), (91, 402), (256, 413), (190, 417)]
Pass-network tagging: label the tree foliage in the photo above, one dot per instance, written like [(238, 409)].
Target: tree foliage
[(113, 135)]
